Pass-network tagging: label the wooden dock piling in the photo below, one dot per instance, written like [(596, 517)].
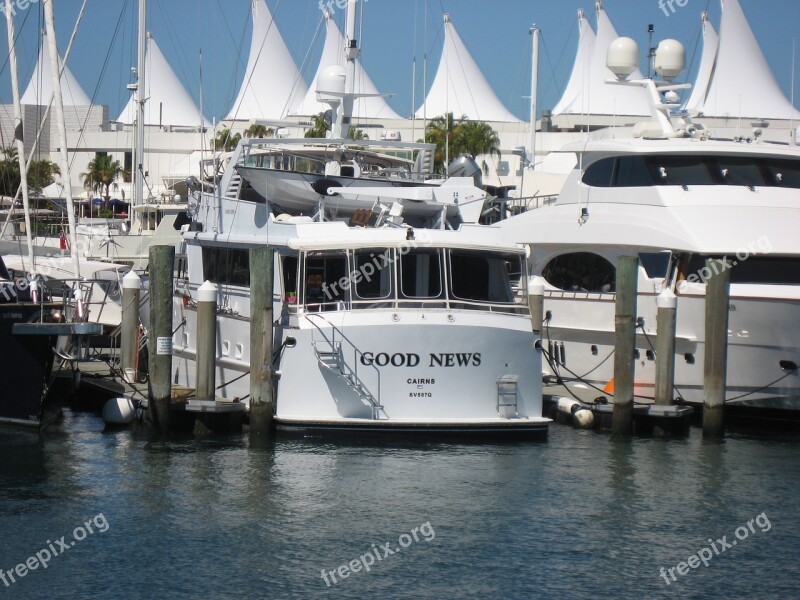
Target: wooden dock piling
[(262, 402), (129, 346), (161, 259), (665, 347), (716, 347), (625, 345), (206, 341)]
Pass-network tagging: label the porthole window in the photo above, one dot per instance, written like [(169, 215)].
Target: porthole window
[(581, 272)]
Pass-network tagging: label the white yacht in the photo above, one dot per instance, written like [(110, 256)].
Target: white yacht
[(673, 195), (397, 311)]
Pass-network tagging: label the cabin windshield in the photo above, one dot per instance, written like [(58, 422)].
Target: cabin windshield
[(427, 277), (691, 170)]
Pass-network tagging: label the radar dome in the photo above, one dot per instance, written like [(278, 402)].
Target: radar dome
[(331, 80), (623, 56), (670, 59)]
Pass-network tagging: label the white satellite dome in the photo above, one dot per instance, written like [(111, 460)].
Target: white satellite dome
[(623, 56), (670, 59), (331, 81)]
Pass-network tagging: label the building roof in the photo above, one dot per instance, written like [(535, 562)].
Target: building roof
[(587, 91), (40, 86), (272, 83), (742, 83), (459, 86), (333, 54), (168, 102), (706, 70)]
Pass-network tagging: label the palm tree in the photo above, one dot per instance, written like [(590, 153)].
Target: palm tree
[(256, 130), (357, 134), (101, 173), (41, 173), (9, 172), (455, 137), (321, 128), (443, 131), (225, 141), (477, 137)]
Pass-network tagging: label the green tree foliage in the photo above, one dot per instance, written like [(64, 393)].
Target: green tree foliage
[(256, 130), (41, 173), (101, 173), (462, 136), (321, 128), (225, 141)]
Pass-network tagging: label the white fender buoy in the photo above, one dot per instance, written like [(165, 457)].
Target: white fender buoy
[(119, 411), (581, 417)]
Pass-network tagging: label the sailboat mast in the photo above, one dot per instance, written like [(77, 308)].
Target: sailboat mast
[(351, 54), (138, 175), (534, 89), (18, 132), (58, 101)]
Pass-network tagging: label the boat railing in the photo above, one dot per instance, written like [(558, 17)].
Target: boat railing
[(336, 345), (518, 307)]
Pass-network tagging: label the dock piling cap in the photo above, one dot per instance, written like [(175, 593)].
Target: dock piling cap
[(536, 286), (207, 292), (131, 281), (667, 299)]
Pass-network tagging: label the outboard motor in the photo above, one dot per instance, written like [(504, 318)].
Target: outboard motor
[(465, 166)]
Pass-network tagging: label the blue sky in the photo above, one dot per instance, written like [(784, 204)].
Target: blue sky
[(495, 31)]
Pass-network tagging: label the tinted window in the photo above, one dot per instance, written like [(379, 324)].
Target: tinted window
[(421, 274), (600, 174), (733, 170), (766, 270), (782, 173), (481, 277), (656, 264), (227, 266), (681, 170), (373, 273), (580, 272), (326, 280), (632, 171)]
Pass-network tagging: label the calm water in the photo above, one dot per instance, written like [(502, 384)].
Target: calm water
[(576, 517)]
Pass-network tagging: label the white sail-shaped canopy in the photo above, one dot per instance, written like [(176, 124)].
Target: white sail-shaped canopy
[(168, 102), (706, 69), (742, 84), (595, 96), (333, 54), (459, 86), (573, 100), (272, 84), (40, 87)]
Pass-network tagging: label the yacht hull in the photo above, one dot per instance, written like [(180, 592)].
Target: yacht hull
[(375, 371), (26, 362)]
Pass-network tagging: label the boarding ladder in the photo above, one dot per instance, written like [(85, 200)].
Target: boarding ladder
[(507, 393), (330, 356), (231, 180)]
